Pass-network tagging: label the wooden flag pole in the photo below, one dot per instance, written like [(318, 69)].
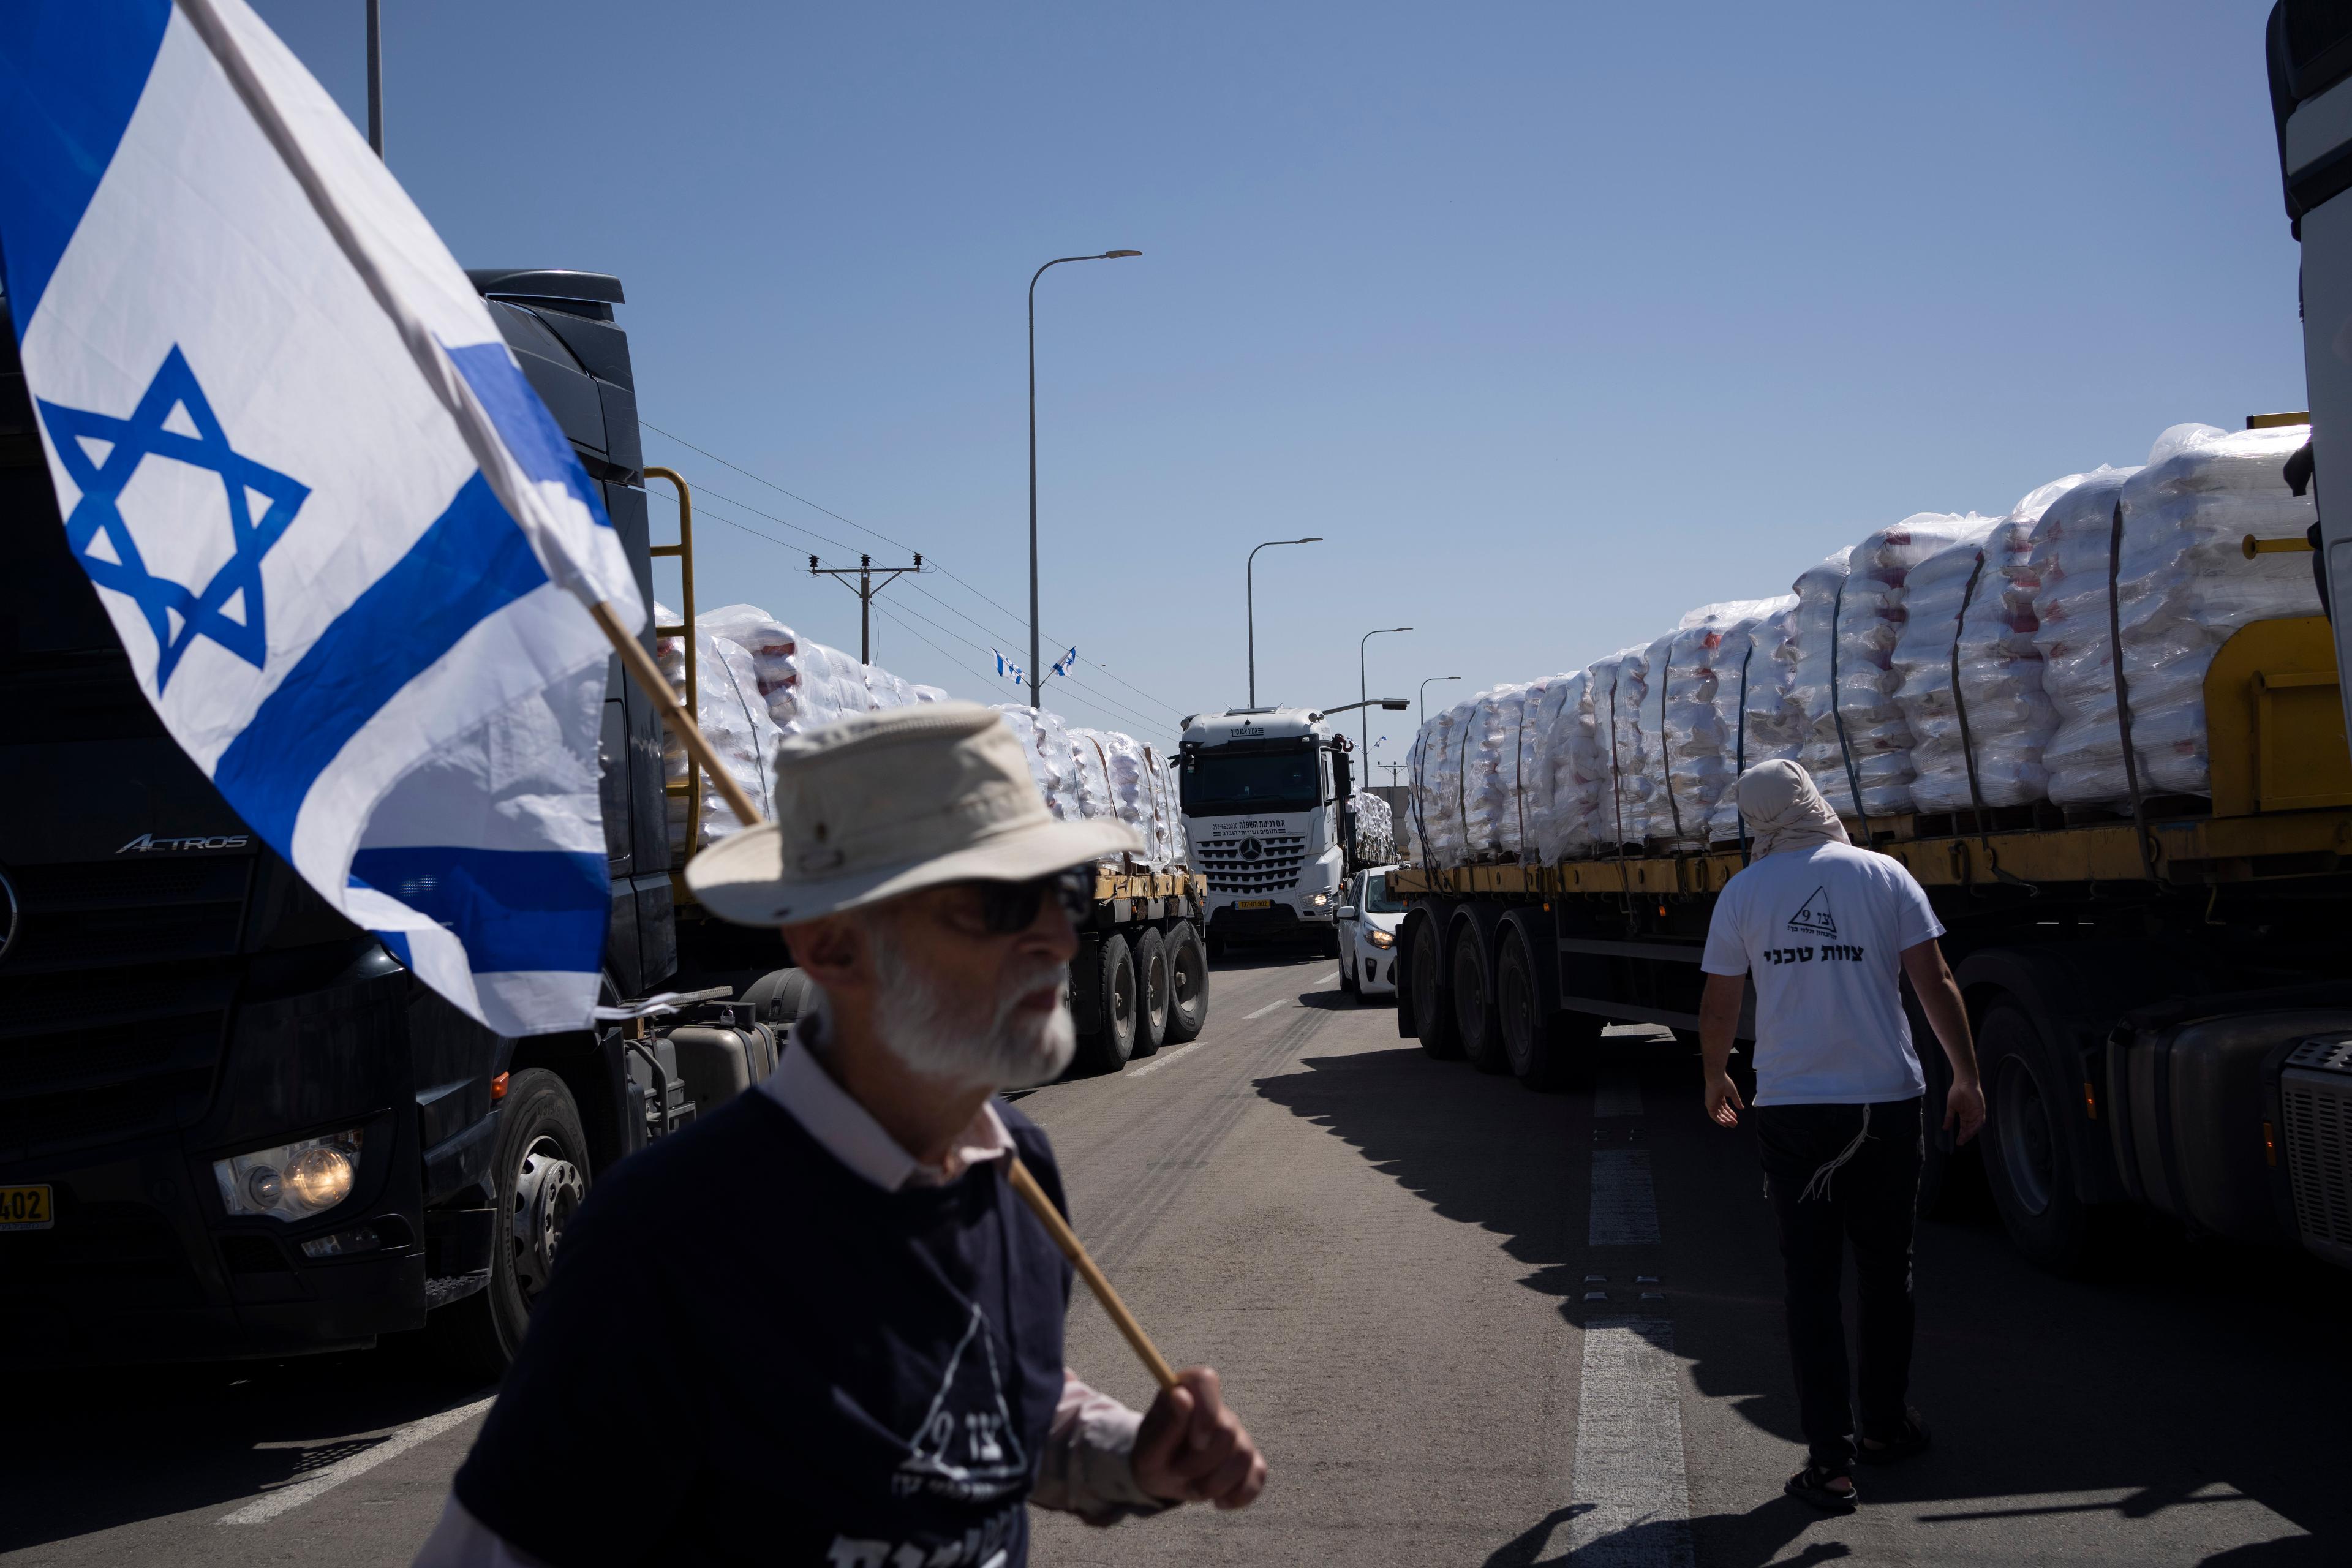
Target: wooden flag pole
[(648, 676), (1075, 1251)]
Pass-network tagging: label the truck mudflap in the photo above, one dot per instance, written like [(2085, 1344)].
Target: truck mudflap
[(2196, 1116)]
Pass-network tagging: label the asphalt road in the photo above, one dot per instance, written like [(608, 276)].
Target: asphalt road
[(1468, 1324)]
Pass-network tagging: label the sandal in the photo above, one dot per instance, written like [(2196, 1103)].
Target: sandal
[(1913, 1440), (1810, 1486)]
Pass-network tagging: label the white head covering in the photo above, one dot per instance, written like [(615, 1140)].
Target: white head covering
[(1784, 811)]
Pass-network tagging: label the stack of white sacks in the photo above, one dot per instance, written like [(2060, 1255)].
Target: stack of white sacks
[(1087, 774), (1853, 674), (1375, 828)]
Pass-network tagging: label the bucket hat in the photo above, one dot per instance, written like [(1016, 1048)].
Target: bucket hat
[(884, 803)]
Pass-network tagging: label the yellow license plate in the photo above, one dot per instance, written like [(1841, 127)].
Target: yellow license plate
[(27, 1208), (1253, 903)]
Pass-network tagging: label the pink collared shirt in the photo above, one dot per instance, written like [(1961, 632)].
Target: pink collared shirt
[(1086, 1467)]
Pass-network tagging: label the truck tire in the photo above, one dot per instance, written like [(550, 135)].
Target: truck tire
[(1549, 1050), (1106, 1047), (540, 1166), (1432, 991), (781, 997), (1151, 989), (2028, 1157), (1476, 1020), (1188, 984)]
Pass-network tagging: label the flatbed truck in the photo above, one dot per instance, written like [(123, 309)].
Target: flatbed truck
[(176, 1003)]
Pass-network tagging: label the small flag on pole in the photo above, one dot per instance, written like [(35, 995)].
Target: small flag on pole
[(345, 547), (1006, 669), (1062, 665)]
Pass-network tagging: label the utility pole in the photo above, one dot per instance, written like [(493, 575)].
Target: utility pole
[(865, 588), (376, 76)]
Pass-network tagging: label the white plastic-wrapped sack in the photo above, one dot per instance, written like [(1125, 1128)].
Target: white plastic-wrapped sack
[(1167, 809), (1563, 726), (1622, 803), (1860, 725), (769, 641), (1493, 755), (1970, 604), (1690, 717), (1047, 742), (1752, 716), (1436, 762), (1375, 828), (1137, 785), (2183, 586), (827, 686), (2083, 756), (734, 719), (930, 694)]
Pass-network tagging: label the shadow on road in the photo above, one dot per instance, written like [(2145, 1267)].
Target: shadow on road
[(2194, 1372), (92, 1450)]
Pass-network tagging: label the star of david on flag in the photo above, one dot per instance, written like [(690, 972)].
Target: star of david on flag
[(231, 605), (348, 552)]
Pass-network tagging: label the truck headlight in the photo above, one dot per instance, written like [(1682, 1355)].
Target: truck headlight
[(1380, 938), (292, 1181), (1319, 900)]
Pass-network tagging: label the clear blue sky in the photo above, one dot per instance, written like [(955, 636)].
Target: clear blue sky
[(1555, 320)]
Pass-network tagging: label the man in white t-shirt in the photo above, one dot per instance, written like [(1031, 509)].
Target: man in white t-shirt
[(1826, 930)]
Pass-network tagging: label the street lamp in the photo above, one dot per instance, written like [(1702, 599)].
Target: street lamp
[(1364, 688), (1036, 675), (1424, 695), (1249, 597)]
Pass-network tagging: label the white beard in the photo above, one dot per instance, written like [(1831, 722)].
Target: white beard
[(949, 1038)]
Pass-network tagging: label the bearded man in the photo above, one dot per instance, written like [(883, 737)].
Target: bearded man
[(818, 1326)]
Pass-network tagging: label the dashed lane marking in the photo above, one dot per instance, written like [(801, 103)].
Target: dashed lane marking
[(1624, 1202), (1619, 1093), (1628, 1481), (1162, 1059), (1271, 1006), (262, 1510)]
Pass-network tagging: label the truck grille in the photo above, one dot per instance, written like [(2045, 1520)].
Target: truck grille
[(2316, 1096), (115, 997), (1262, 864)]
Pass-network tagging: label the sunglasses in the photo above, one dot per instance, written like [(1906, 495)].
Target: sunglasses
[(1007, 909)]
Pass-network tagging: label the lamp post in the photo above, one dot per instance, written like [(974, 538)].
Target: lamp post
[(1363, 687), (1249, 598), (1036, 677), (1424, 695)]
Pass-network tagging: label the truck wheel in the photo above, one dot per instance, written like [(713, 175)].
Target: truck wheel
[(1549, 1050), (1151, 989), (1432, 1003), (2028, 1163), (781, 997), (1188, 984), (540, 1166), (1107, 1049), (1476, 1018)]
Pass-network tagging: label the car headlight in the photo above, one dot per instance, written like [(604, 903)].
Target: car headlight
[(292, 1181), (1380, 938)]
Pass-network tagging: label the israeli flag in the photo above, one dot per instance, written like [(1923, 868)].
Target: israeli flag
[(1006, 669), (1062, 665), (344, 545)]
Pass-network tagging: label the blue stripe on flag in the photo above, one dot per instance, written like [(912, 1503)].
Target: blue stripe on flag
[(70, 75), (472, 562), (396, 943), (523, 422), (514, 909)]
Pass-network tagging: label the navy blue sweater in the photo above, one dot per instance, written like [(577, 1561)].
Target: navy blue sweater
[(749, 1354)]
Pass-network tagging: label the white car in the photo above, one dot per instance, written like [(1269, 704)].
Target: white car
[(1369, 917)]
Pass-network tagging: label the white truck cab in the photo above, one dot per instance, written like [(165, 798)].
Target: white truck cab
[(1263, 792)]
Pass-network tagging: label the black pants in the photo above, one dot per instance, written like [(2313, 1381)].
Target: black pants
[(1836, 1177)]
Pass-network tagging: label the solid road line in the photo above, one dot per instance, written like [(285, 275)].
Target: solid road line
[(261, 1510), (1629, 1475)]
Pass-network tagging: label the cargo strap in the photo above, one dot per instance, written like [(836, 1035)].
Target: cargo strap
[(1666, 751), (2123, 695), (1739, 750), (1837, 716)]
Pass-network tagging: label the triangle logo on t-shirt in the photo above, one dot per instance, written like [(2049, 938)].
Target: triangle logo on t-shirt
[(967, 1447), (1815, 919)]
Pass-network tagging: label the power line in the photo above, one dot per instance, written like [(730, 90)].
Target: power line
[(877, 533)]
